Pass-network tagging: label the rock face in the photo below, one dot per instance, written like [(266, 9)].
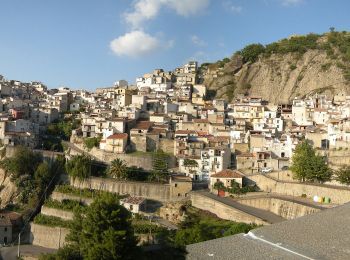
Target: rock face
[(280, 77), (8, 190)]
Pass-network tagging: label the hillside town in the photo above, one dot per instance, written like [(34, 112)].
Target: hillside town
[(171, 152), (170, 111)]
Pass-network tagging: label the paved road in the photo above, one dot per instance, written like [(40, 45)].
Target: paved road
[(259, 213), (10, 253)]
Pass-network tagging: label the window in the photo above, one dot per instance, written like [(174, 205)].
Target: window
[(5, 229), (175, 185)]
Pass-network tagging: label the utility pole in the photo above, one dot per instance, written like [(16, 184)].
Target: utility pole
[(19, 243)]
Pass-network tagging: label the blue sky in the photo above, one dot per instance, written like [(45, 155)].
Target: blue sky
[(92, 43)]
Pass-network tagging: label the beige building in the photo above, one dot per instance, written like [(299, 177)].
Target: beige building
[(5, 229), (116, 143), (226, 177)]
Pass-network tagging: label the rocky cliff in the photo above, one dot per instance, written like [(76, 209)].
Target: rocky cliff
[(281, 71), (8, 190)]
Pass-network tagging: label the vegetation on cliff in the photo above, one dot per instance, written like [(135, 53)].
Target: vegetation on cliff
[(295, 66)]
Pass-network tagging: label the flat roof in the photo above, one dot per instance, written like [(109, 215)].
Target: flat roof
[(322, 235)]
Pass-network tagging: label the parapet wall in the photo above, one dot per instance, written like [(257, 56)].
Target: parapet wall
[(338, 195), (222, 210), (45, 236), (283, 208)]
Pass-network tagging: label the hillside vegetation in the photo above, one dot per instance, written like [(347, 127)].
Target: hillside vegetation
[(278, 72)]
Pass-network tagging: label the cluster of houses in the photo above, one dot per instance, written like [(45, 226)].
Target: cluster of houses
[(169, 111)]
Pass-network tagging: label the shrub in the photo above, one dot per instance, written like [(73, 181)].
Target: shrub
[(51, 221)]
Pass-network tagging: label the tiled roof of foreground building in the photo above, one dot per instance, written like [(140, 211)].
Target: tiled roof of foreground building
[(322, 235)]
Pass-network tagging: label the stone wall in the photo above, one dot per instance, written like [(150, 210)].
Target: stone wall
[(282, 175), (283, 208), (62, 196), (155, 191), (45, 236), (144, 161), (338, 195), (222, 210), (63, 214), (167, 145)]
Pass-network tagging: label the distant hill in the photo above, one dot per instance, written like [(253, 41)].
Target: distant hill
[(280, 71)]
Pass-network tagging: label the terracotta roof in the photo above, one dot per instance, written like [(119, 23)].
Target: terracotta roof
[(143, 125), (118, 136), (184, 132), (227, 174), (133, 200)]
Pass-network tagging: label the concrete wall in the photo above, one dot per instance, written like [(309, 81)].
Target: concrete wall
[(282, 175), (283, 208), (144, 161), (222, 210), (155, 191), (45, 236), (338, 195), (62, 196), (63, 214)]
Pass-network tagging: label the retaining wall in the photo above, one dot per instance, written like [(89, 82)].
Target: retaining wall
[(62, 196), (45, 236), (63, 214), (222, 210), (155, 191), (283, 208), (338, 195)]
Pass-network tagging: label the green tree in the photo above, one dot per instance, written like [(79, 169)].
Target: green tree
[(92, 142), (308, 166), (64, 253), (160, 165), (219, 185), (251, 52), (118, 169), (103, 230), (343, 175), (79, 166)]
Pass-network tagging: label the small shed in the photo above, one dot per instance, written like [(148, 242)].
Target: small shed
[(134, 204)]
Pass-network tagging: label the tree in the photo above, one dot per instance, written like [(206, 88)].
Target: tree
[(308, 166), (219, 185), (79, 166), (251, 52), (103, 230), (343, 175), (118, 169), (160, 165)]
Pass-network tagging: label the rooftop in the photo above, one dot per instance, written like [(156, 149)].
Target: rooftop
[(322, 235), (228, 174)]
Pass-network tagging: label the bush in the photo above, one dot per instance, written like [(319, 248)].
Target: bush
[(251, 52), (65, 204), (51, 221), (292, 67), (92, 142)]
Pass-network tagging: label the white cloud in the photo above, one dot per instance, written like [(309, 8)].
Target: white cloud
[(144, 10), (291, 2), (229, 6), (134, 44), (198, 41)]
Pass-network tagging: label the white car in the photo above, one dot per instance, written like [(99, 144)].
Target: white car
[(266, 170)]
